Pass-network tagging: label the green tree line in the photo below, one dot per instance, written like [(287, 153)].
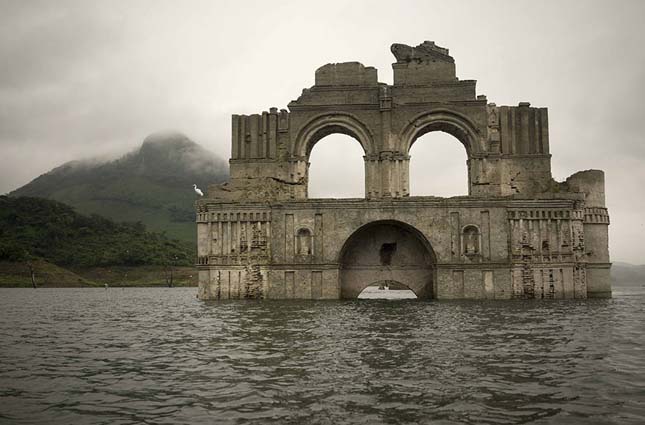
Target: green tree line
[(35, 227)]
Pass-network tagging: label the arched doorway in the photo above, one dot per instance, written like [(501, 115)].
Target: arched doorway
[(452, 123), (387, 250), (438, 166), (336, 168), (337, 127)]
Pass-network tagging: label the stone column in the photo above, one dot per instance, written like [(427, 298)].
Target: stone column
[(298, 171), (372, 180), (388, 174), (385, 167), (403, 174)]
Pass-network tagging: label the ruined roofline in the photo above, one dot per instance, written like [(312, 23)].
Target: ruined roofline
[(427, 51), (566, 201), (426, 65), (479, 100)]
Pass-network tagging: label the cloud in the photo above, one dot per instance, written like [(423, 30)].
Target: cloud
[(79, 78)]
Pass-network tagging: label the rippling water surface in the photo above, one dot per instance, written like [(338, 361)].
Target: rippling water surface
[(125, 356)]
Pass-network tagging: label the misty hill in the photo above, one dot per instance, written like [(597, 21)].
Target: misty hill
[(152, 184), (626, 274), (44, 229)]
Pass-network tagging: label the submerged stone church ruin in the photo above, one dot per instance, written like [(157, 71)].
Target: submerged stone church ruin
[(518, 233)]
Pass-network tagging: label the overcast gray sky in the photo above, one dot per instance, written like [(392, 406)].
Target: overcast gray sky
[(87, 78)]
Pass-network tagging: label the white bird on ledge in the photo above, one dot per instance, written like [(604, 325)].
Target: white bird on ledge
[(198, 190)]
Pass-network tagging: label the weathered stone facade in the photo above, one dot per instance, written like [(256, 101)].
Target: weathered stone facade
[(518, 234)]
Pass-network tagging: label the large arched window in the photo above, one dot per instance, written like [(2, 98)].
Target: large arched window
[(337, 168), (438, 166)]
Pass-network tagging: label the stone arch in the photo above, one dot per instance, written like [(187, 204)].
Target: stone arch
[(451, 122), (387, 250), (323, 125)]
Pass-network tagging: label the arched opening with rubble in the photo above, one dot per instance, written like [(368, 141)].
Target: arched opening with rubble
[(387, 250)]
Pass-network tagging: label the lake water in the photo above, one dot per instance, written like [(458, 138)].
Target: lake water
[(142, 355)]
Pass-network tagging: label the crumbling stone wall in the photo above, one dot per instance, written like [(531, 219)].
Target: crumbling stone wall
[(518, 233)]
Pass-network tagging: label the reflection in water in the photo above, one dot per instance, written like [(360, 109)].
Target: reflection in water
[(160, 356)]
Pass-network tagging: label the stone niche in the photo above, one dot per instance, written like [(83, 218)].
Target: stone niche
[(518, 234)]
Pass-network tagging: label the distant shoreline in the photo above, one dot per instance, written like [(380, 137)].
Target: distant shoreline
[(48, 275)]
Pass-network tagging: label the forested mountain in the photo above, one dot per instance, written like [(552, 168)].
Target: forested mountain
[(152, 184)]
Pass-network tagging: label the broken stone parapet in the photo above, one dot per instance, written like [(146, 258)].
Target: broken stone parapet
[(346, 74), (423, 64)]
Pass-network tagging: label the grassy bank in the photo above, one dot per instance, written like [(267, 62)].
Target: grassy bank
[(140, 276), (17, 274)]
